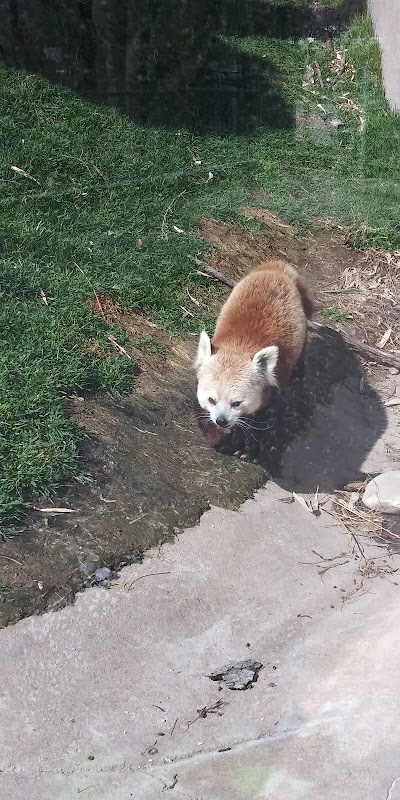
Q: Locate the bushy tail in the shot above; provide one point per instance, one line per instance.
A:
(306, 301)
(301, 286)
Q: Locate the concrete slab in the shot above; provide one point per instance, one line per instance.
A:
(105, 697)
(386, 19)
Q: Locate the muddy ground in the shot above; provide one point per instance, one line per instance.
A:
(153, 472)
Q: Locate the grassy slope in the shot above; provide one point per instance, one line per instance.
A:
(103, 183)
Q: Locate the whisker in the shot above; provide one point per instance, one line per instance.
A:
(258, 425)
(246, 430)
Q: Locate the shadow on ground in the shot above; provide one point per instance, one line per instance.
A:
(329, 395)
(167, 64)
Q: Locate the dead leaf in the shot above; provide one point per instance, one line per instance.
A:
(385, 338)
(355, 486)
(299, 499)
(375, 284)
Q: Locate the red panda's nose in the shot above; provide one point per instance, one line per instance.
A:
(222, 421)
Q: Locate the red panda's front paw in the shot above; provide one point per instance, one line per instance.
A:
(243, 455)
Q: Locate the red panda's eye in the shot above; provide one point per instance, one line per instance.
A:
(212, 401)
(236, 404)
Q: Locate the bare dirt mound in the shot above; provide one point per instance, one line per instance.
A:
(153, 473)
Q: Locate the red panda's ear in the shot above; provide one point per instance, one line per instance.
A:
(265, 361)
(203, 350)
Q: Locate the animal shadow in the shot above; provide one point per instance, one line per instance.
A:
(319, 430)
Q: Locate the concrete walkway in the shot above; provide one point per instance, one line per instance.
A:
(103, 699)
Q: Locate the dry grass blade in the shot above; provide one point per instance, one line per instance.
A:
(348, 511)
(186, 312)
(43, 296)
(150, 433)
(315, 508)
(168, 210)
(385, 338)
(395, 401)
(25, 174)
(118, 346)
(56, 510)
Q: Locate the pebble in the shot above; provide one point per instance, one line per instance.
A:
(393, 371)
(383, 493)
(102, 574)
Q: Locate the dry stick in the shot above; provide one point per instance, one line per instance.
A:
(373, 353)
(214, 272)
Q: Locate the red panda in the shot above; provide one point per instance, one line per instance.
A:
(259, 337)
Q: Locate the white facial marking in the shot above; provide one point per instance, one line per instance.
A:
(228, 397)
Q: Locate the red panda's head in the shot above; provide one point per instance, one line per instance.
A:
(233, 383)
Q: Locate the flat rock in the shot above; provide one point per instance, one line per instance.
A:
(238, 674)
(383, 493)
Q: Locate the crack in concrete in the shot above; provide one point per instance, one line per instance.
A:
(174, 760)
(391, 787)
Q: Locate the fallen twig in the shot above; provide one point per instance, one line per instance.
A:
(147, 576)
(373, 353)
(202, 712)
(214, 272)
(342, 291)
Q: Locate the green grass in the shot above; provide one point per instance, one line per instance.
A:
(101, 183)
(335, 314)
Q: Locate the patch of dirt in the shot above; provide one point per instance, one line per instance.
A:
(237, 250)
(153, 472)
(139, 327)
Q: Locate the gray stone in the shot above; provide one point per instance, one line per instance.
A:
(238, 674)
(102, 574)
(383, 493)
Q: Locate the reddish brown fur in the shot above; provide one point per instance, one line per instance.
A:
(268, 307)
